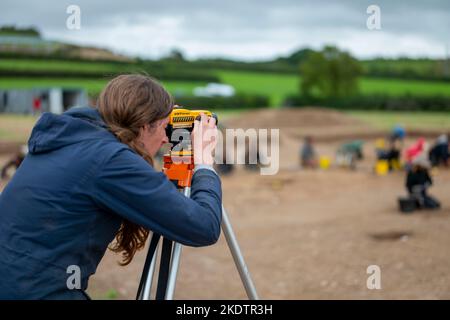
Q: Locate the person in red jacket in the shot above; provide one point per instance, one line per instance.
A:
(37, 105)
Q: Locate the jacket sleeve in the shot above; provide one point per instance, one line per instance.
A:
(128, 186)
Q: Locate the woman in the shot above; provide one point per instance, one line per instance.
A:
(88, 179)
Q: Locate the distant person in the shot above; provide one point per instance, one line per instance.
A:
(380, 148)
(349, 153)
(416, 150)
(224, 168)
(398, 134)
(252, 160)
(418, 181)
(15, 161)
(439, 153)
(308, 156)
(396, 144)
(391, 153)
(37, 105)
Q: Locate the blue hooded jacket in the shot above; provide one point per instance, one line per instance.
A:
(69, 196)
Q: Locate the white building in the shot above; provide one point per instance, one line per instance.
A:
(215, 90)
(55, 100)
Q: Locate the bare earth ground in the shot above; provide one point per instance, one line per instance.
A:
(311, 234)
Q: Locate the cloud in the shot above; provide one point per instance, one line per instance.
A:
(242, 29)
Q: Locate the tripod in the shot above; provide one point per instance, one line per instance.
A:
(181, 173)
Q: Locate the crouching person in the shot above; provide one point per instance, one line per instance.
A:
(418, 181)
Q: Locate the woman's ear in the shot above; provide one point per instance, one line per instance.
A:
(144, 130)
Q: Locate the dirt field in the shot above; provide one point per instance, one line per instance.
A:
(311, 234)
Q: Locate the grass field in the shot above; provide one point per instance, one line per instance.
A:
(17, 128)
(417, 66)
(277, 86)
(93, 87)
(400, 87)
(59, 65)
(412, 120)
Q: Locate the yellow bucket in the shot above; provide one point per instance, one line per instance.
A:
(381, 167)
(324, 163)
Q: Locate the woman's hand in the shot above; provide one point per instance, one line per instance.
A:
(204, 140)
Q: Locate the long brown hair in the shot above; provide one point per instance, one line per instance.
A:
(126, 104)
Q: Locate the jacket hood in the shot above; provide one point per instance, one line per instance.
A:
(75, 125)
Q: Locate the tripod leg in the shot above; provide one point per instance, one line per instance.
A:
(175, 260)
(167, 278)
(149, 268)
(164, 267)
(151, 272)
(173, 271)
(237, 257)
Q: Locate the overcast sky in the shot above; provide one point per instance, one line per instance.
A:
(248, 30)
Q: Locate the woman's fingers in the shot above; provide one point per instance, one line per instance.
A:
(212, 122)
(204, 118)
(196, 124)
(204, 136)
